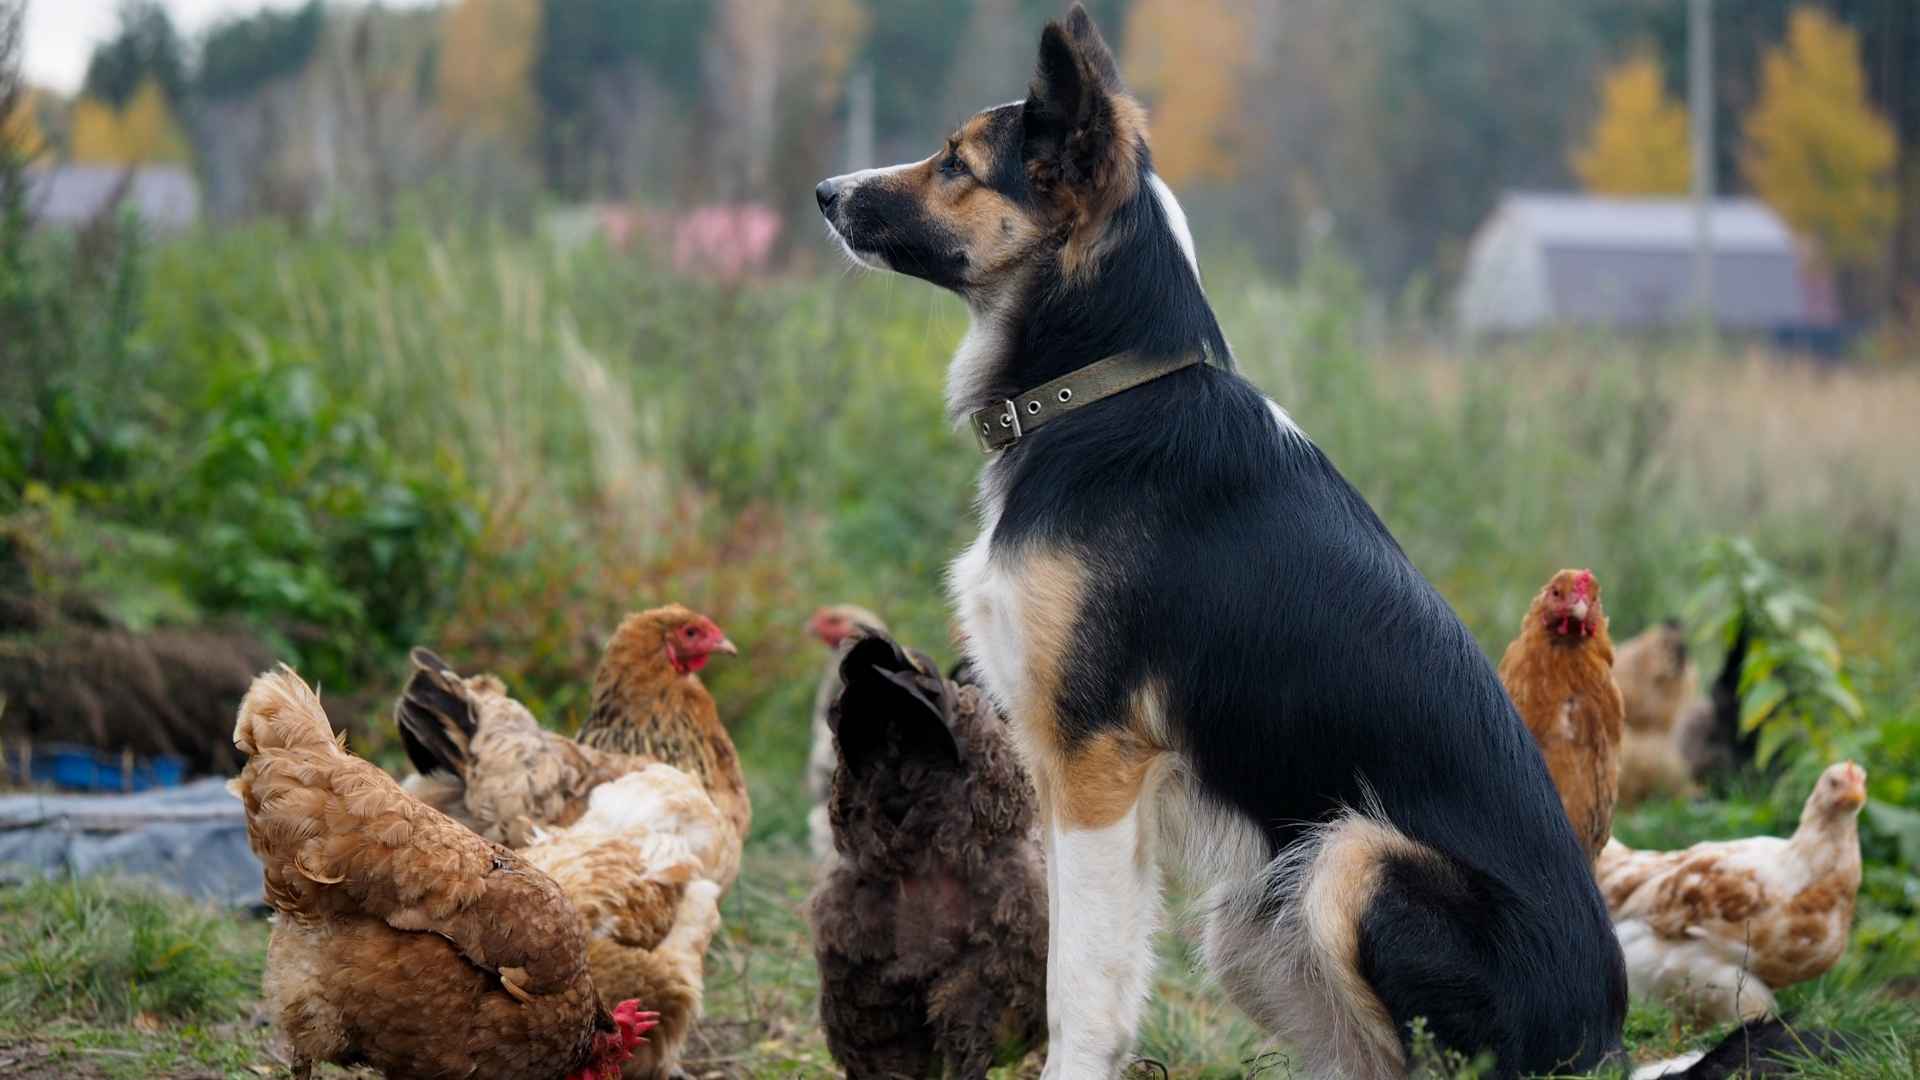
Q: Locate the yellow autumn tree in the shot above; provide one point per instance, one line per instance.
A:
(143, 132)
(1816, 150)
(93, 136)
(148, 128)
(21, 131)
(486, 67)
(1188, 59)
(1638, 144)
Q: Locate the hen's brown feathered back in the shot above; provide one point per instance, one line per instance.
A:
(405, 940)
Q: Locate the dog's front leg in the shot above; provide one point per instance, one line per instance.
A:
(1103, 896)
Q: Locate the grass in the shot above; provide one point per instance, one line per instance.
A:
(107, 980)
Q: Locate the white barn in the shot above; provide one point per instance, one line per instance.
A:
(1555, 260)
(164, 196)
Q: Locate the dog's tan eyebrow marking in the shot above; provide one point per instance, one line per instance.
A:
(965, 145)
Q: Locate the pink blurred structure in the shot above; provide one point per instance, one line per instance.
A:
(725, 242)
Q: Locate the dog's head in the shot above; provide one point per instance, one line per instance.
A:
(1016, 185)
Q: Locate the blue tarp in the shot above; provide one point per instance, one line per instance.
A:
(191, 840)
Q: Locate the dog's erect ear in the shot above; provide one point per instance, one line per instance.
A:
(1086, 38)
(1072, 89)
(1084, 133)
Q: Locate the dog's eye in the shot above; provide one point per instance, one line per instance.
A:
(953, 166)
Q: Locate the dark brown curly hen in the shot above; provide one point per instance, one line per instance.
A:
(931, 927)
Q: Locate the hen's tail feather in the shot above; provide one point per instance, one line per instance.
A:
(281, 712)
(1757, 1048)
(435, 716)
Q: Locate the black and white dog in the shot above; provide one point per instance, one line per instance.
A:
(1210, 647)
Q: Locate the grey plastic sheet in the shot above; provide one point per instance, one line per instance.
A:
(191, 840)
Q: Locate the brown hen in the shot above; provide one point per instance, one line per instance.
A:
(1559, 672)
(405, 941)
(648, 700)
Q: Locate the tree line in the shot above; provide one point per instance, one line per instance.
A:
(1390, 129)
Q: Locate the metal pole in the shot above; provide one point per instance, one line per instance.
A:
(860, 152)
(1700, 102)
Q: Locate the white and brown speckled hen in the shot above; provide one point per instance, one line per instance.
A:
(1717, 928)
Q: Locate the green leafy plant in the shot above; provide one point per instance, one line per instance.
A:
(302, 516)
(1795, 693)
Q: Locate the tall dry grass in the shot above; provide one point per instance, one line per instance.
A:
(629, 437)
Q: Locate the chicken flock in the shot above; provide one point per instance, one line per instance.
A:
(1715, 929)
(530, 906)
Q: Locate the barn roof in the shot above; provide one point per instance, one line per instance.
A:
(1739, 225)
(1541, 259)
(165, 196)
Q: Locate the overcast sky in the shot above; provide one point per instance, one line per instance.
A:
(61, 34)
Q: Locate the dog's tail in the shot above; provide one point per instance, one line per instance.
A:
(1359, 931)
(1287, 947)
(1765, 1047)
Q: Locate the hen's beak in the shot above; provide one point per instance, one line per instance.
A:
(725, 645)
(1579, 610)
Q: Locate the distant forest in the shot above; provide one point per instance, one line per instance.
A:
(1389, 128)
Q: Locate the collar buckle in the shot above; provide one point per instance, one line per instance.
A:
(997, 427)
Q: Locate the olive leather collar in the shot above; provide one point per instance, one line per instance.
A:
(997, 427)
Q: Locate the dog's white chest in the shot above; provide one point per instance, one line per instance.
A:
(988, 601)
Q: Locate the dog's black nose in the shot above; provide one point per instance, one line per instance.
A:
(826, 194)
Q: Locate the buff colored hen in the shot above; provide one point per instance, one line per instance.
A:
(638, 866)
(838, 627)
(637, 845)
(1657, 680)
(1717, 928)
